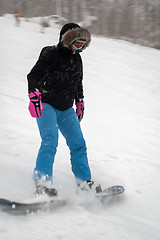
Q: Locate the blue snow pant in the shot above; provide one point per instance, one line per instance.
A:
(68, 123)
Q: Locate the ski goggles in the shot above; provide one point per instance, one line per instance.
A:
(79, 44)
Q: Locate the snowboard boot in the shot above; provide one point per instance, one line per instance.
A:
(51, 192)
(89, 186)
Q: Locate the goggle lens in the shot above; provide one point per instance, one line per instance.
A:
(79, 44)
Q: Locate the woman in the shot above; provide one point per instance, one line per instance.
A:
(55, 82)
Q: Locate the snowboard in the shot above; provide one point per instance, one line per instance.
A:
(29, 207)
(52, 202)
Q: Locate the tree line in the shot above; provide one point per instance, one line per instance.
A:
(137, 21)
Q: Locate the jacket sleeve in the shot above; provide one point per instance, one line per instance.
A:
(79, 93)
(39, 70)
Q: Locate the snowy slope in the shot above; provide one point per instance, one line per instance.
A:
(121, 128)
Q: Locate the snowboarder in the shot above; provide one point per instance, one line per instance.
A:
(54, 83)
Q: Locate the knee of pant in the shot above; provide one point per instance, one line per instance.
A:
(50, 142)
(78, 144)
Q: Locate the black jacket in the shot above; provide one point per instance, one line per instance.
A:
(58, 75)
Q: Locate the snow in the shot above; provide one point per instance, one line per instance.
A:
(121, 128)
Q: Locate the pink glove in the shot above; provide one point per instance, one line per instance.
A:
(35, 105)
(80, 110)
